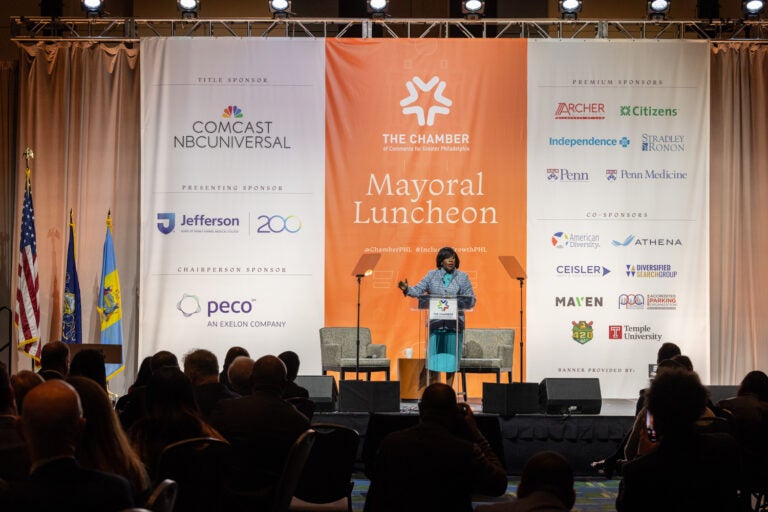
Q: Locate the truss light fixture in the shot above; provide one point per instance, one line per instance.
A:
(280, 8)
(752, 9)
(569, 9)
(658, 9)
(473, 9)
(188, 8)
(377, 8)
(92, 8)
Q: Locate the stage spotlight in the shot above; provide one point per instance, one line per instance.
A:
(752, 9)
(569, 9)
(280, 8)
(473, 9)
(188, 8)
(658, 9)
(377, 8)
(92, 7)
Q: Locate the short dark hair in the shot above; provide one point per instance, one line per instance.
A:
(89, 363)
(232, 353)
(202, 362)
(676, 399)
(445, 253)
(291, 361)
(548, 472)
(161, 359)
(54, 356)
(667, 350)
(755, 383)
(438, 399)
(268, 373)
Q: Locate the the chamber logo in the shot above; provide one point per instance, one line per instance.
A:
(416, 86)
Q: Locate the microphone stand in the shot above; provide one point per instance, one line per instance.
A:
(357, 356)
(522, 280)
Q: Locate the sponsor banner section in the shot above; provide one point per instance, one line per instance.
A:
(617, 215)
(232, 199)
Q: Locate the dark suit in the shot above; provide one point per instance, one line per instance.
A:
(63, 484)
(538, 501)
(427, 467)
(698, 472)
(14, 459)
(208, 395)
(261, 428)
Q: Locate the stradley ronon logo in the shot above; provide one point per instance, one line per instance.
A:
(440, 102)
(580, 111)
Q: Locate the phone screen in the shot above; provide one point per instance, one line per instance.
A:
(649, 426)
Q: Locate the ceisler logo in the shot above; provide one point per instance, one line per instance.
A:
(646, 111)
(580, 111)
(440, 102)
(582, 331)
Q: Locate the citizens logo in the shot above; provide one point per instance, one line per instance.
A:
(578, 302)
(589, 142)
(580, 111)
(582, 331)
(232, 111)
(440, 104)
(651, 271)
(667, 301)
(189, 305)
(197, 223)
(562, 240)
(633, 332)
(581, 270)
(631, 301)
(567, 175)
(645, 175)
(647, 111)
(663, 143)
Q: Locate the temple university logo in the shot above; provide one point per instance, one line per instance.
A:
(437, 105)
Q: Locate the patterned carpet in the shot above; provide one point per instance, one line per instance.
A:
(591, 495)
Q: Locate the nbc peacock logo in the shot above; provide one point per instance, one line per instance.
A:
(232, 111)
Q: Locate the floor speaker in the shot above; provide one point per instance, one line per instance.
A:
(509, 399)
(322, 390)
(369, 396)
(570, 396)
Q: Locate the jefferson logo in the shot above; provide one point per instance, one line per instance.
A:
(438, 97)
(188, 305)
(580, 111)
(582, 331)
(631, 301)
(642, 111)
(167, 222)
(232, 111)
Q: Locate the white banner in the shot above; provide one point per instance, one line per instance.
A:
(232, 196)
(618, 246)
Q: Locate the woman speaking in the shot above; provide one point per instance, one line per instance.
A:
(445, 281)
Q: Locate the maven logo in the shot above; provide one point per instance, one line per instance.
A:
(413, 95)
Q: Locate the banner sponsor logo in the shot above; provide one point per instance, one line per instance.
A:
(589, 142)
(582, 270)
(197, 223)
(582, 331)
(647, 111)
(651, 271)
(274, 224)
(567, 175)
(440, 104)
(645, 175)
(631, 301)
(633, 332)
(647, 242)
(562, 240)
(578, 302)
(580, 111)
(623, 243)
(663, 143)
(232, 132)
(225, 313)
(666, 301)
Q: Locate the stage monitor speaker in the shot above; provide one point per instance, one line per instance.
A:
(369, 396)
(570, 396)
(509, 399)
(717, 393)
(322, 390)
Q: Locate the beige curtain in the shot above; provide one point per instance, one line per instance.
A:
(79, 112)
(739, 210)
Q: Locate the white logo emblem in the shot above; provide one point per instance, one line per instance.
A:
(413, 95)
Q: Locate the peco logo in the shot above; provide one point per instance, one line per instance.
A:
(440, 104)
(189, 305)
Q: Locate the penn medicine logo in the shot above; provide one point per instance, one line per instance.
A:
(440, 104)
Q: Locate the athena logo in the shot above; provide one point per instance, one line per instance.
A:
(188, 305)
(413, 95)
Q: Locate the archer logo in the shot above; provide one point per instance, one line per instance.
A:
(439, 105)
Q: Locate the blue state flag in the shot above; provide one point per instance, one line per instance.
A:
(71, 324)
(110, 306)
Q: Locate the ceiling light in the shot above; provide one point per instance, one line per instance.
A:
(377, 8)
(92, 7)
(473, 9)
(188, 8)
(280, 8)
(752, 9)
(569, 9)
(658, 9)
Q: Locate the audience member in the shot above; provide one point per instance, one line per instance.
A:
(172, 415)
(54, 360)
(52, 424)
(142, 379)
(436, 465)
(292, 390)
(89, 363)
(232, 353)
(240, 375)
(202, 368)
(14, 460)
(689, 470)
(546, 485)
(22, 382)
(104, 445)
(135, 407)
(261, 426)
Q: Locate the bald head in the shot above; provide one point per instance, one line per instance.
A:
(268, 373)
(239, 375)
(52, 420)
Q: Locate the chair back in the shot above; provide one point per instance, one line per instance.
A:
(294, 465)
(163, 498)
(327, 475)
(346, 338)
(304, 405)
(201, 467)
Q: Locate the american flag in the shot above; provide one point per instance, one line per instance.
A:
(27, 318)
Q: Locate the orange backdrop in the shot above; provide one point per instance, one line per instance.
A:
(425, 147)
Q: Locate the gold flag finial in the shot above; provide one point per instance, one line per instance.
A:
(28, 153)
(109, 219)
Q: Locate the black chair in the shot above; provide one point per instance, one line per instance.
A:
(201, 467)
(163, 498)
(294, 466)
(304, 405)
(326, 482)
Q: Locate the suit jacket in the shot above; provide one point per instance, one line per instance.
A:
(698, 472)
(428, 467)
(261, 427)
(208, 395)
(62, 484)
(14, 459)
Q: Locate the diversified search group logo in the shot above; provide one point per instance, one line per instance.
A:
(440, 102)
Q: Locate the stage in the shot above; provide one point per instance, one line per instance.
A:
(581, 438)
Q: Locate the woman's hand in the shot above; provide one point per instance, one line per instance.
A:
(403, 285)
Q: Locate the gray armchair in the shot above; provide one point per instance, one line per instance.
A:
(338, 347)
(487, 351)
